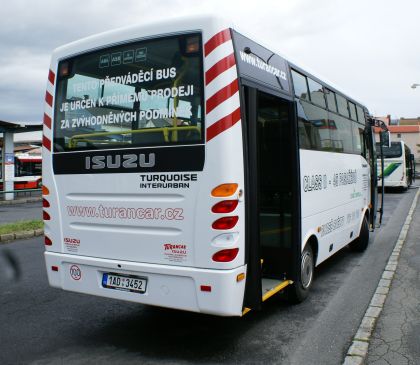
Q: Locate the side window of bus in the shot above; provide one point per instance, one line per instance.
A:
(304, 128)
(332, 105)
(352, 109)
(300, 85)
(360, 115)
(317, 93)
(18, 168)
(358, 139)
(341, 133)
(342, 105)
(314, 127)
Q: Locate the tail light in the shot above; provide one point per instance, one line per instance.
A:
(45, 216)
(225, 222)
(47, 241)
(45, 190)
(226, 255)
(224, 190)
(54, 268)
(225, 206)
(206, 288)
(45, 203)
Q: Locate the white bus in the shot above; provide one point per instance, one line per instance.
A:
(186, 166)
(399, 170)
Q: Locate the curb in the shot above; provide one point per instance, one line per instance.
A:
(357, 353)
(21, 201)
(9, 237)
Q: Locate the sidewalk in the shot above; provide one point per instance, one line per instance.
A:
(396, 339)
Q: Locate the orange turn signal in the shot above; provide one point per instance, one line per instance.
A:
(224, 190)
(240, 277)
(45, 190)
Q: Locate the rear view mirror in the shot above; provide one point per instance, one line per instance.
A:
(385, 138)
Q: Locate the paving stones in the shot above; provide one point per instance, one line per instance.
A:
(358, 351)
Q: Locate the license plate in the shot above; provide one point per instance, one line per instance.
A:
(124, 282)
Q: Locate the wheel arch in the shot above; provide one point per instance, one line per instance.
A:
(366, 213)
(313, 242)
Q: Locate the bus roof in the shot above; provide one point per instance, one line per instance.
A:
(173, 26)
(145, 30)
(296, 65)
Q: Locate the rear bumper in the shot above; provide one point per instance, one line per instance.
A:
(393, 184)
(167, 286)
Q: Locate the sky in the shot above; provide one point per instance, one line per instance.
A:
(369, 49)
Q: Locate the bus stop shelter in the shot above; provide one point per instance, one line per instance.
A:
(8, 129)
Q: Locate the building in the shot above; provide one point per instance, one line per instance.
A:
(410, 121)
(408, 131)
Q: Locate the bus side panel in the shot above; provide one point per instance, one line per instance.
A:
(335, 193)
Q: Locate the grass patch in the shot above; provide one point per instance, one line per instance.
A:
(21, 226)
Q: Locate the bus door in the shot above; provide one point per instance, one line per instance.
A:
(372, 160)
(412, 169)
(272, 175)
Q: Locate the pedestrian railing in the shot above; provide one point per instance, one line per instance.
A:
(21, 192)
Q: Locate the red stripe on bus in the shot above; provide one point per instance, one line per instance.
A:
(219, 67)
(48, 98)
(51, 77)
(223, 124)
(46, 143)
(216, 41)
(222, 95)
(47, 121)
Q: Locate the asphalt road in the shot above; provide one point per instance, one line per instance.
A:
(42, 325)
(20, 212)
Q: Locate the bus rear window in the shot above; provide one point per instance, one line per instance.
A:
(147, 93)
(390, 152)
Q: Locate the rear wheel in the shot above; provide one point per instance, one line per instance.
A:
(299, 290)
(360, 243)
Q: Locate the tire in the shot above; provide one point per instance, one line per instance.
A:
(299, 290)
(361, 243)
